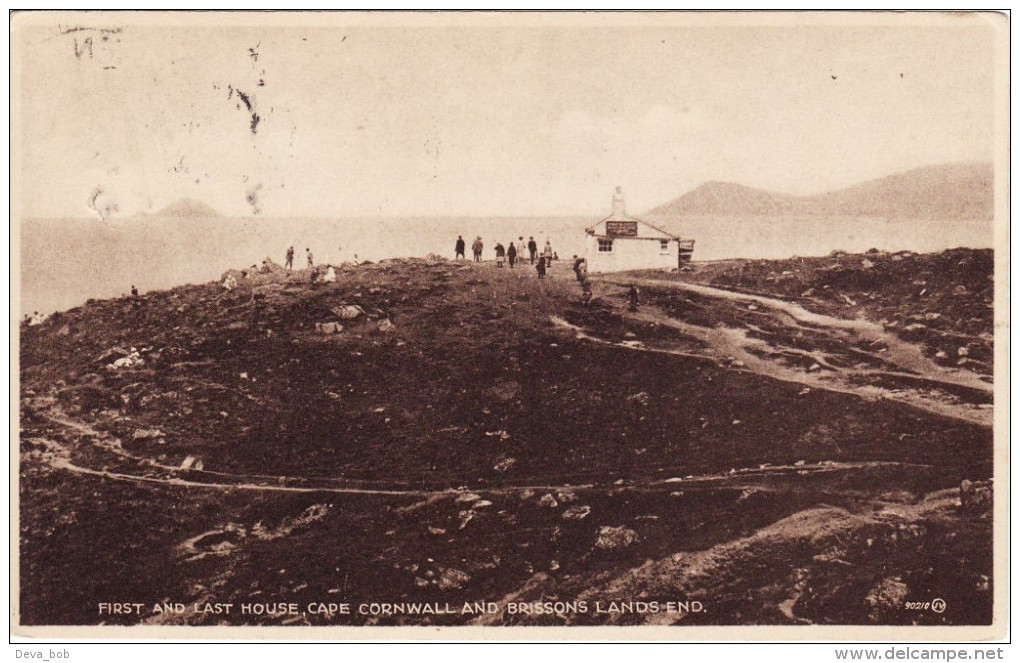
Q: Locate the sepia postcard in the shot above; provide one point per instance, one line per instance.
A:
(484, 325)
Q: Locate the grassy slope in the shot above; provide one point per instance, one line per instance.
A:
(473, 353)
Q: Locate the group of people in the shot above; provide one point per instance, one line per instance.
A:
(510, 254)
(319, 274)
(289, 263)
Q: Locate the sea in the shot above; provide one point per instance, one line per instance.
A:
(65, 262)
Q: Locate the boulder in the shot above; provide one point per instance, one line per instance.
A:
(566, 496)
(578, 512)
(348, 312)
(130, 361)
(505, 464)
(451, 578)
(329, 328)
(640, 398)
(548, 500)
(614, 538)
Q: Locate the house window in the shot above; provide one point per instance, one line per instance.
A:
(664, 245)
(605, 246)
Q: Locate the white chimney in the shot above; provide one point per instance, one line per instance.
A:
(618, 206)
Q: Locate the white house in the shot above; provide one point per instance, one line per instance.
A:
(621, 242)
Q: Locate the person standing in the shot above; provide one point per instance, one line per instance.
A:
(541, 269)
(578, 264)
(511, 255)
(547, 254)
(632, 298)
(459, 248)
(311, 261)
(290, 258)
(476, 248)
(532, 249)
(500, 252)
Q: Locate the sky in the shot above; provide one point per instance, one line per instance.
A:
(427, 115)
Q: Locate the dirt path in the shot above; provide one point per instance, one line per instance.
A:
(899, 352)
(58, 456)
(910, 378)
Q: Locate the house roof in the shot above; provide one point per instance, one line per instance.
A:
(620, 214)
(627, 217)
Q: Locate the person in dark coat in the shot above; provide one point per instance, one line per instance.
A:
(578, 268)
(290, 258)
(541, 269)
(632, 298)
(476, 249)
(459, 247)
(532, 249)
(511, 255)
(500, 252)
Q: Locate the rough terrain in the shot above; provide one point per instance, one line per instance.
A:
(431, 433)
